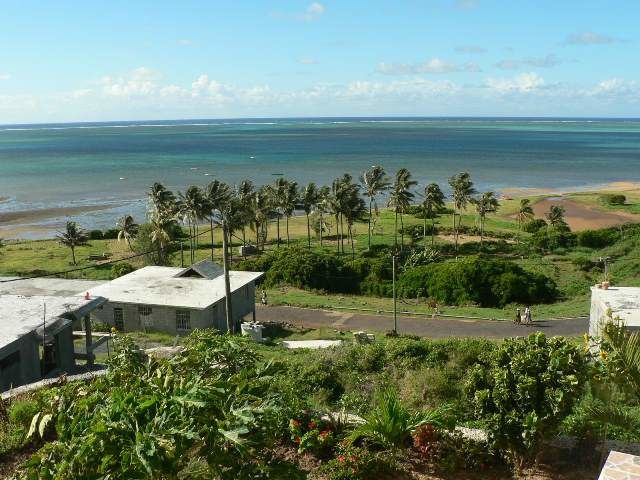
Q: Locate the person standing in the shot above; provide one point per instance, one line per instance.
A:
(527, 315)
(518, 318)
(263, 297)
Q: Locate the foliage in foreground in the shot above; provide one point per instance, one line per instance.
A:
(525, 389)
(209, 409)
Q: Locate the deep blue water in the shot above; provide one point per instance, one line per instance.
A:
(90, 163)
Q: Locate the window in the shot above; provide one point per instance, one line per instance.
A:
(144, 313)
(183, 320)
(118, 318)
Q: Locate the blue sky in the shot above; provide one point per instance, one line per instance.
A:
(120, 60)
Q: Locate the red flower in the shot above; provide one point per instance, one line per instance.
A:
(341, 459)
(295, 423)
(324, 433)
(312, 424)
(297, 440)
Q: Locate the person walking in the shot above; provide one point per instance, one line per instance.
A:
(263, 297)
(527, 315)
(518, 319)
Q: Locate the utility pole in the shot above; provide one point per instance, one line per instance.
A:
(227, 286)
(395, 310)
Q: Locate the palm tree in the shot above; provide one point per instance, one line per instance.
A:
(277, 192)
(524, 213)
(374, 182)
(218, 195)
(161, 226)
(72, 237)
(555, 216)
(161, 200)
(354, 210)
(433, 202)
(309, 199)
(289, 200)
(127, 229)
(400, 199)
(262, 212)
(487, 203)
(462, 191)
(323, 206)
(245, 193)
(192, 208)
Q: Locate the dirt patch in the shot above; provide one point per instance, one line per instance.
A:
(583, 217)
(471, 238)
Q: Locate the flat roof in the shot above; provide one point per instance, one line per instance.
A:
(20, 315)
(159, 286)
(624, 302)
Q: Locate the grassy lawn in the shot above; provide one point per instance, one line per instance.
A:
(594, 199)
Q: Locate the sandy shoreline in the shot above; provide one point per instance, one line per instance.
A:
(621, 186)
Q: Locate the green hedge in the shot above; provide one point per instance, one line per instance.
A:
(598, 238)
(613, 199)
(479, 280)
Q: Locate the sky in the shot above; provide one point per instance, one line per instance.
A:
(68, 61)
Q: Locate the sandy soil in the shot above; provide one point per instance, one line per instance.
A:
(470, 238)
(608, 187)
(580, 216)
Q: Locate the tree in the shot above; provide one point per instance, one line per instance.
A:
(127, 229)
(487, 203)
(462, 191)
(433, 202)
(245, 192)
(400, 199)
(277, 194)
(354, 210)
(218, 195)
(555, 216)
(289, 201)
(374, 182)
(323, 206)
(524, 213)
(261, 212)
(161, 200)
(192, 207)
(524, 389)
(72, 237)
(309, 199)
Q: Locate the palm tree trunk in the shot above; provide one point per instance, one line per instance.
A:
(424, 232)
(308, 232)
(73, 254)
(369, 240)
(433, 230)
(353, 250)
(338, 232)
(455, 229)
(481, 232)
(395, 233)
(341, 233)
(244, 235)
(211, 232)
(287, 220)
(401, 232)
(278, 230)
(321, 227)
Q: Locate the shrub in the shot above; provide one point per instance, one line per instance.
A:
(552, 238)
(96, 235)
(320, 378)
(534, 225)
(584, 263)
(353, 463)
(485, 281)
(120, 269)
(524, 389)
(110, 234)
(613, 199)
(597, 238)
(311, 434)
(22, 412)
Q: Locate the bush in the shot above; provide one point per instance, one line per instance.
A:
(613, 199)
(303, 268)
(534, 225)
(95, 235)
(120, 269)
(22, 412)
(551, 238)
(110, 234)
(354, 463)
(484, 281)
(598, 238)
(524, 389)
(585, 264)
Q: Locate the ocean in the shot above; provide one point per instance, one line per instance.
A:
(113, 164)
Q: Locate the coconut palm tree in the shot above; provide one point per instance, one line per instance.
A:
(555, 216)
(309, 198)
(485, 204)
(261, 211)
(277, 192)
(245, 192)
(462, 191)
(524, 213)
(218, 195)
(161, 200)
(192, 207)
(72, 237)
(354, 211)
(160, 235)
(374, 182)
(127, 229)
(400, 198)
(432, 203)
(323, 206)
(289, 201)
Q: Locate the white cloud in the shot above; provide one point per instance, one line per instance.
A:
(140, 82)
(523, 83)
(470, 49)
(617, 87)
(308, 61)
(4, 76)
(508, 65)
(589, 38)
(466, 4)
(548, 61)
(314, 11)
(185, 42)
(435, 65)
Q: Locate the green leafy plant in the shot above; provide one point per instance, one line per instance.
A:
(524, 389)
(311, 434)
(353, 463)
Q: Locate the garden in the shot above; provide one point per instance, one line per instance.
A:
(400, 408)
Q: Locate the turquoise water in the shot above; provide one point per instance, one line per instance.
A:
(77, 164)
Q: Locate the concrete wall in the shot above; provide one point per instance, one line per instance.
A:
(26, 368)
(163, 319)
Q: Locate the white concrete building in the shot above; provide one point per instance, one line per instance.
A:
(621, 302)
(24, 321)
(175, 300)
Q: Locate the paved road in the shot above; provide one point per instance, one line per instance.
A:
(421, 326)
